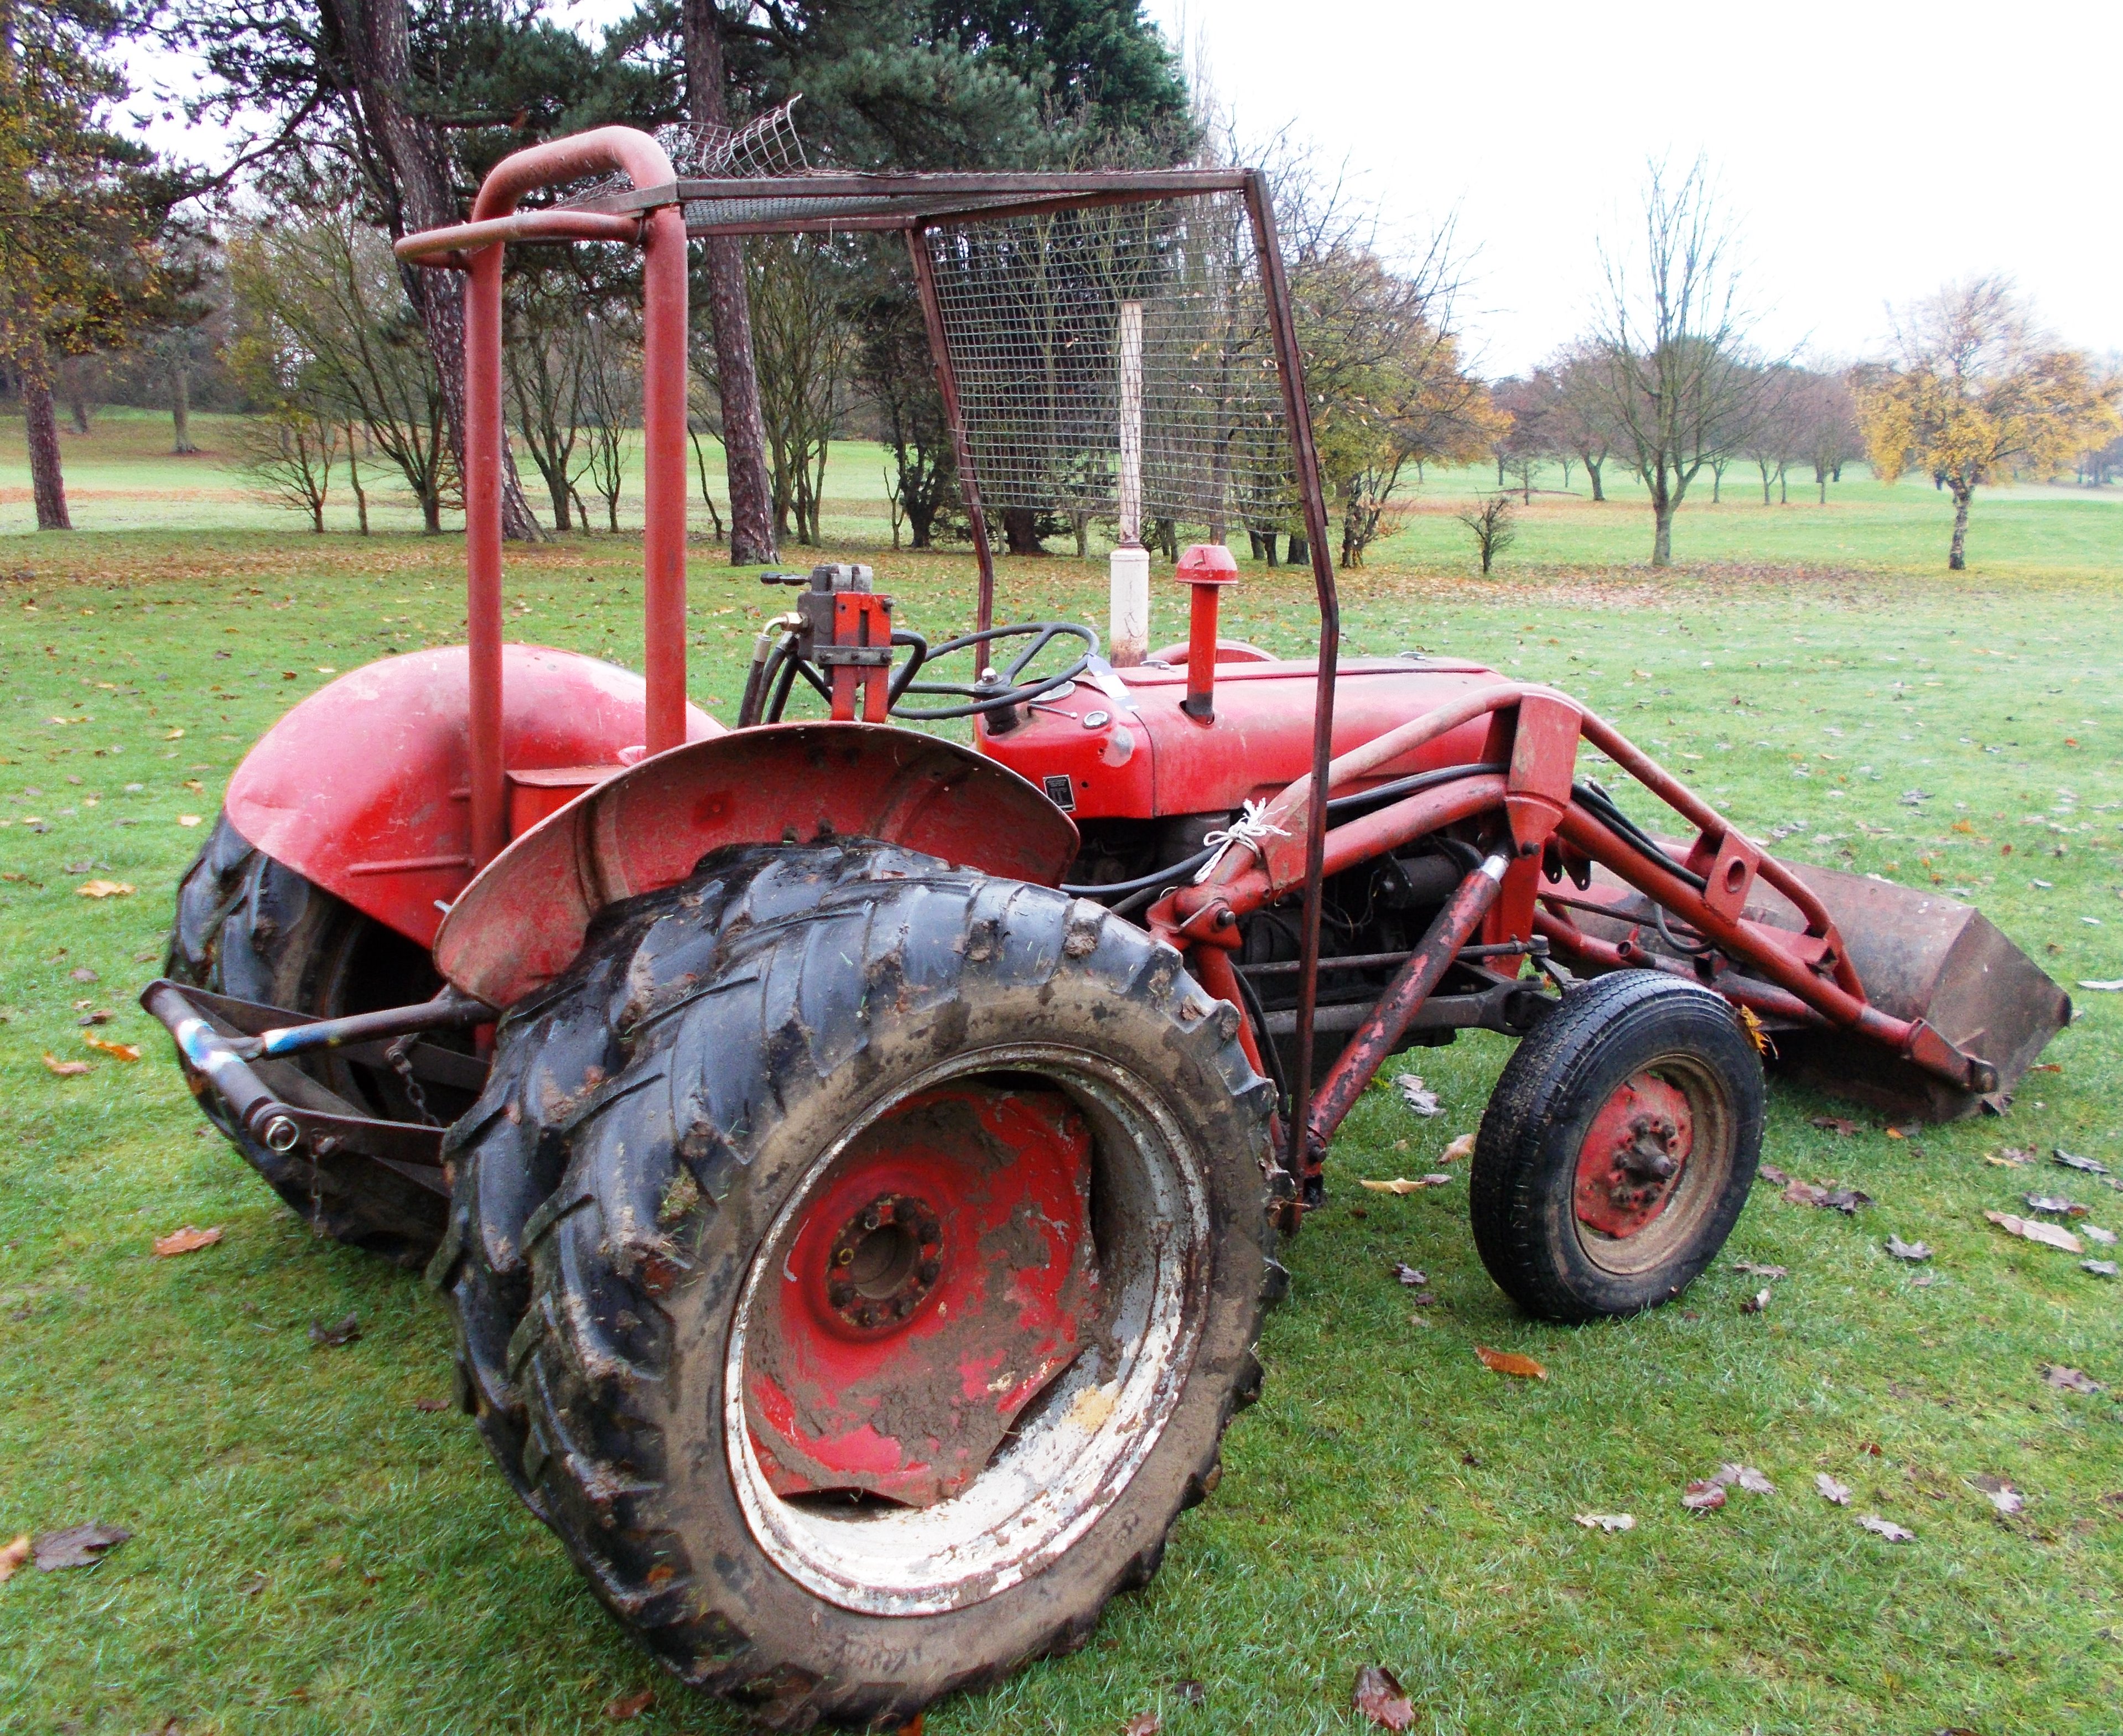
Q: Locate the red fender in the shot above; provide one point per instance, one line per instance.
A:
(364, 787)
(522, 922)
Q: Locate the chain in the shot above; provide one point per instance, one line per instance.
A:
(399, 1055)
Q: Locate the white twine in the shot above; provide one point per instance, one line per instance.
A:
(1248, 828)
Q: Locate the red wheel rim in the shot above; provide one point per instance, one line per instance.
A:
(940, 1276)
(1635, 1155)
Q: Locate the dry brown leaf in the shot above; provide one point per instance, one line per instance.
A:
(1143, 1723)
(1762, 1271)
(1402, 1185)
(338, 1335)
(1703, 1495)
(2070, 1380)
(1462, 1147)
(116, 1051)
(1606, 1521)
(621, 1707)
(13, 1556)
(1510, 1361)
(1841, 1125)
(1378, 1696)
(2072, 1160)
(1744, 1476)
(1886, 1528)
(186, 1240)
(1757, 1302)
(104, 889)
(1913, 1250)
(1831, 1489)
(78, 1546)
(1417, 1096)
(64, 1070)
(1408, 1275)
(2050, 1235)
(82, 974)
(1770, 1173)
(2055, 1205)
(2001, 1494)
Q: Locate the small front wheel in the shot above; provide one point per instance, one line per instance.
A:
(1617, 1148)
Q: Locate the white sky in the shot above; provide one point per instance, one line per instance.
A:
(1872, 150)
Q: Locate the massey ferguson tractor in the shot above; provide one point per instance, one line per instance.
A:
(855, 1145)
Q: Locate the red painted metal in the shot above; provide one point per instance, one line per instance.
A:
(522, 920)
(1634, 1154)
(362, 788)
(940, 1275)
(1206, 568)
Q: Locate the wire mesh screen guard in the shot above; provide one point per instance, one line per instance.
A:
(766, 145)
(1032, 317)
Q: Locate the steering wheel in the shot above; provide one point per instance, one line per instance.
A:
(991, 690)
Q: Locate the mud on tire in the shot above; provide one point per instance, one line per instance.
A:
(253, 928)
(684, 1087)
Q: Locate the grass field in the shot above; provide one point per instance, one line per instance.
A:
(313, 1552)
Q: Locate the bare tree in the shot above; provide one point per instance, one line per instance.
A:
(1671, 334)
(610, 392)
(1828, 434)
(1491, 523)
(1579, 420)
(545, 360)
(1773, 434)
(801, 342)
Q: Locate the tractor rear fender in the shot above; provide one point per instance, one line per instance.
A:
(362, 789)
(524, 919)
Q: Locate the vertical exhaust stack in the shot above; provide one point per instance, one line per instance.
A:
(1205, 568)
(1128, 567)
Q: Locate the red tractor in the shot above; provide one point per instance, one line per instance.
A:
(856, 1158)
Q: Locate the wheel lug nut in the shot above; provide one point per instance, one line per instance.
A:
(930, 1271)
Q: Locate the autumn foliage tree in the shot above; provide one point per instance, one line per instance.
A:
(1975, 392)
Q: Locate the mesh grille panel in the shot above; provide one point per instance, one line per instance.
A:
(1033, 316)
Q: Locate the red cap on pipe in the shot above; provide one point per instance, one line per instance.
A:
(1208, 564)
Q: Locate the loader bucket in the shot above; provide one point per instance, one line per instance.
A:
(1921, 956)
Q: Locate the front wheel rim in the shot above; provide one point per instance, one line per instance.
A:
(1071, 1447)
(1629, 1219)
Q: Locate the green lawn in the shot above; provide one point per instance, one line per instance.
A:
(312, 1552)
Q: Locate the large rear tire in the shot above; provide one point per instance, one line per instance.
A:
(1618, 1149)
(253, 928)
(903, 1265)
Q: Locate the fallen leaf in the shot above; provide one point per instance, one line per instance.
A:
(1606, 1521)
(1192, 1692)
(2070, 1380)
(1143, 1723)
(431, 1406)
(1402, 1185)
(621, 1707)
(1805, 1193)
(173, 735)
(1762, 1271)
(1846, 1200)
(1840, 1125)
(186, 1240)
(2002, 1495)
(1462, 1147)
(1770, 1173)
(1831, 1491)
(1757, 1302)
(188, 819)
(2095, 1233)
(2050, 1235)
(1409, 1276)
(100, 1015)
(2072, 1160)
(2108, 985)
(104, 889)
(13, 1557)
(1744, 1476)
(116, 1051)
(1416, 1095)
(82, 974)
(78, 1546)
(64, 1070)
(338, 1335)
(252, 1586)
(1378, 1695)
(2055, 1204)
(1887, 1529)
(2100, 1268)
(1704, 1496)
(1510, 1361)
(1902, 1250)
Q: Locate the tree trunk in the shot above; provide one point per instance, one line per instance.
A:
(1957, 560)
(353, 482)
(41, 429)
(1020, 530)
(1592, 470)
(78, 408)
(180, 411)
(1300, 550)
(411, 157)
(752, 522)
(1662, 509)
(1783, 487)
(919, 520)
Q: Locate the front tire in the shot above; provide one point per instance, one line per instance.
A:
(1617, 1150)
(904, 1266)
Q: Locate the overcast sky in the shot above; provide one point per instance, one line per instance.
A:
(1871, 149)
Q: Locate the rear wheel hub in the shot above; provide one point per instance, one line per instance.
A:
(936, 1278)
